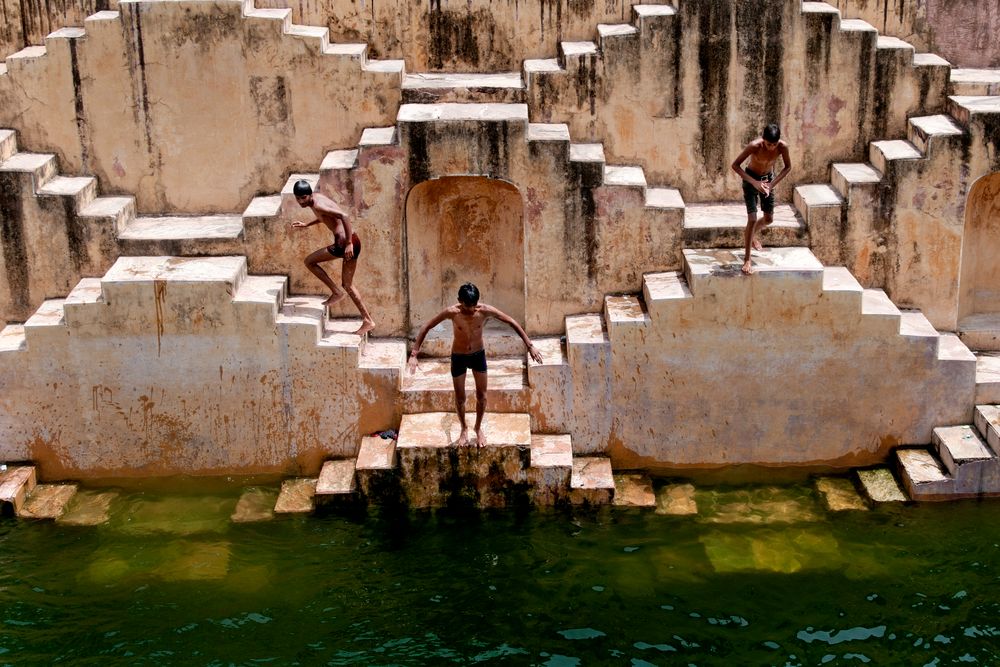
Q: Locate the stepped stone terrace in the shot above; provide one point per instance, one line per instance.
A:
(575, 165)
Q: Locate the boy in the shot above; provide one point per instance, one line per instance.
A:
(336, 220)
(468, 317)
(759, 182)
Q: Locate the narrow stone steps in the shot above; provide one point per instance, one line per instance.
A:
(967, 459)
(988, 377)
(435, 87)
(980, 331)
(182, 235)
(975, 82)
(430, 387)
(722, 225)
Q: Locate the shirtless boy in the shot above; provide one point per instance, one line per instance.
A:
(337, 221)
(759, 182)
(468, 317)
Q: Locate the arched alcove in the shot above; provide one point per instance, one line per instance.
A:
(464, 229)
(979, 296)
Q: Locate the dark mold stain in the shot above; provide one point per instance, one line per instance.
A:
(866, 62)
(15, 250)
(819, 30)
(270, 98)
(82, 128)
(714, 48)
(760, 49)
(417, 157)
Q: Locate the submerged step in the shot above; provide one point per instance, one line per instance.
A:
(47, 501)
(880, 485)
(297, 496)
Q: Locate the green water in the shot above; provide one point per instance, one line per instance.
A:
(759, 577)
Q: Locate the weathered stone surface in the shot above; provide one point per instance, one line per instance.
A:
(722, 225)
(839, 494)
(591, 482)
(297, 496)
(88, 508)
(336, 478)
(634, 490)
(676, 499)
(760, 505)
(430, 387)
(551, 465)
(15, 484)
(923, 476)
(988, 378)
(969, 461)
(255, 504)
(987, 421)
(179, 515)
(880, 485)
(47, 501)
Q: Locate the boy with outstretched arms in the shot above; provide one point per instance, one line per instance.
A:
(468, 317)
(346, 246)
(759, 182)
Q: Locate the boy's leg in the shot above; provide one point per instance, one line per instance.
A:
(347, 280)
(481, 381)
(459, 381)
(312, 262)
(748, 239)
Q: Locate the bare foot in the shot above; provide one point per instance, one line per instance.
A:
(463, 438)
(334, 298)
(747, 268)
(480, 438)
(365, 327)
(756, 244)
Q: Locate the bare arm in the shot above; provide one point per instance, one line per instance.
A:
(433, 322)
(510, 321)
(787, 161)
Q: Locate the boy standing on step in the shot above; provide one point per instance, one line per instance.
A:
(346, 246)
(468, 317)
(759, 182)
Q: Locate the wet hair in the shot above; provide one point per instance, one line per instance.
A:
(772, 133)
(468, 294)
(302, 188)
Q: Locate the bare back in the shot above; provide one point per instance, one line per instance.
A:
(331, 215)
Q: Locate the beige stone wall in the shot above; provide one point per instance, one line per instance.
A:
(772, 370)
(191, 107)
(473, 36)
(980, 279)
(962, 31)
(684, 94)
(164, 375)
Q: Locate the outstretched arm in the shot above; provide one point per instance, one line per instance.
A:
(507, 319)
(787, 161)
(411, 365)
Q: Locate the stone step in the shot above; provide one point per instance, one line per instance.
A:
(570, 53)
(375, 469)
(117, 211)
(183, 235)
(917, 329)
(848, 175)
(723, 225)
(450, 112)
(880, 485)
(969, 461)
(431, 87)
(395, 69)
(316, 37)
(336, 480)
(551, 464)
(88, 508)
(987, 422)
(905, 49)
(856, 26)
(923, 129)
(86, 292)
(551, 383)
(81, 189)
(841, 287)
(881, 153)
(435, 472)
(430, 387)
(953, 351)
(297, 496)
(12, 339)
(626, 319)
(264, 294)
(8, 144)
(712, 271)
(588, 162)
(39, 167)
(963, 107)
(592, 481)
(665, 198)
(665, 293)
(881, 316)
(281, 16)
(254, 505)
(498, 338)
(988, 377)
(16, 483)
(923, 476)
(969, 82)
(357, 52)
(47, 326)
(47, 501)
(981, 331)
(634, 490)
(551, 133)
(646, 16)
(203, 280)
(839, 494)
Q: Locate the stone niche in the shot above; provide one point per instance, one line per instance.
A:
(464, 229)
(979, 295)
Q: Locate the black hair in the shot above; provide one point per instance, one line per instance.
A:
(302, 188)
(772, 133)
(468, 294)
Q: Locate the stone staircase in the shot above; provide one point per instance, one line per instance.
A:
(22, 495)
(424, 468)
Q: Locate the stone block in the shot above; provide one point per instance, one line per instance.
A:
(880, 485)
(375, 470)
(591, 482)
(551, 465)
(336, 478)
(795, 273)
(254, 505)
(839, 494)
(587, 163)
(380, 368)
(677, 500)
(923, 476)
(968, 460)
(430, 388)
(981, 332)
(633, 490)
(89, 508)
(551, 385)
(47, 501)
(712, 226)
(297, 496)
(988, 378)
(987, 421)
(589, 353)
(15, 485)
